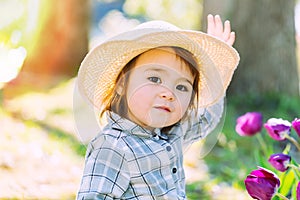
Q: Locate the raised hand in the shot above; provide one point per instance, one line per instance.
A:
(215, 28)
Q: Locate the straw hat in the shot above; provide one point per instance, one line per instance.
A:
(100, 68)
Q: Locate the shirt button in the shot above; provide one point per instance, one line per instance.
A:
(169, 148)
(156, 137)
(174, 170)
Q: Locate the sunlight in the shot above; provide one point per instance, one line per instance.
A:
(32, 20)
(11, 61)
(10, 11)
(18, 25)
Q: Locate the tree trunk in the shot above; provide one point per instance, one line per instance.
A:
(215, 7)
(266, 42)
(60, 45)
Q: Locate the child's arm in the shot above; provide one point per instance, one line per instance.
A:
(202, 124)
(206, 121)
(215, 28)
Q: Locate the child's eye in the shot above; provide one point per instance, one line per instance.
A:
(182, 88)
(154, 79)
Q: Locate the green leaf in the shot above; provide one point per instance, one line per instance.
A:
(296, 172)
(261, 159)
(294, 192)
(287, 180)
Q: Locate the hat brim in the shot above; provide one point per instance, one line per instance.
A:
(100, 68)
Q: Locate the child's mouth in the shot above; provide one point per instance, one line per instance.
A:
(164, 108)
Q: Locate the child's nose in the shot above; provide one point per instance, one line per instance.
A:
(167, 95)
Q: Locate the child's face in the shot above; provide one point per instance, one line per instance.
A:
(159, 89)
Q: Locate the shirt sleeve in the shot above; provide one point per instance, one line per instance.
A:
(206, 121)
(106, 174)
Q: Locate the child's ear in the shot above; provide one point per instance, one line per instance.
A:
(120, 87)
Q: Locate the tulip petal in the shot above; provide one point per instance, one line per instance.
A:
(280, 161)
(249, 124)
(278, 128)
(296, 126)
(298, 191)
(262, 184)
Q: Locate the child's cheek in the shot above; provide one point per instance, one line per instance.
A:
(183, 100)
(141, 97)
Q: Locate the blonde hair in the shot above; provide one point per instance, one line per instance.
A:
(116, 102)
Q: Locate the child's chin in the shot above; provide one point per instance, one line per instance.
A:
(159, 120)
(160, 124)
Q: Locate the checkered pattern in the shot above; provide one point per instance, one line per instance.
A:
(126, 161)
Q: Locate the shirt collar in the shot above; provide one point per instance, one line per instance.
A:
(123, 124)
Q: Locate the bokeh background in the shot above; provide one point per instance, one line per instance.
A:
(42, 43)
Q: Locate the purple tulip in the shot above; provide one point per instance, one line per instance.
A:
(249, 124)
(298, 191)
(296, 126)
(278, 128)
(262, 184)
(280, 161)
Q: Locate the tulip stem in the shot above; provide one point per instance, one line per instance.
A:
(296, 173)
(290, 138)
(287, 148)
(295, 169)
(293, 166)
(281, 196)
(262, 144)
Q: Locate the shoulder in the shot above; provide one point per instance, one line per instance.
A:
(115, 141)
(109, 137)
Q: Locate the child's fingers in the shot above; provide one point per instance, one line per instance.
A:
(215, 28)
(210, 24)
(219, 26)
(231, 39)
(227, 30)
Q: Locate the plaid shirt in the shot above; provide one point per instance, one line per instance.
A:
(126, 161)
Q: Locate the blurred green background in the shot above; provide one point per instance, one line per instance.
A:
(42, 43)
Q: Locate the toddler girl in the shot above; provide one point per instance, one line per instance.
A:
(160, 88)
